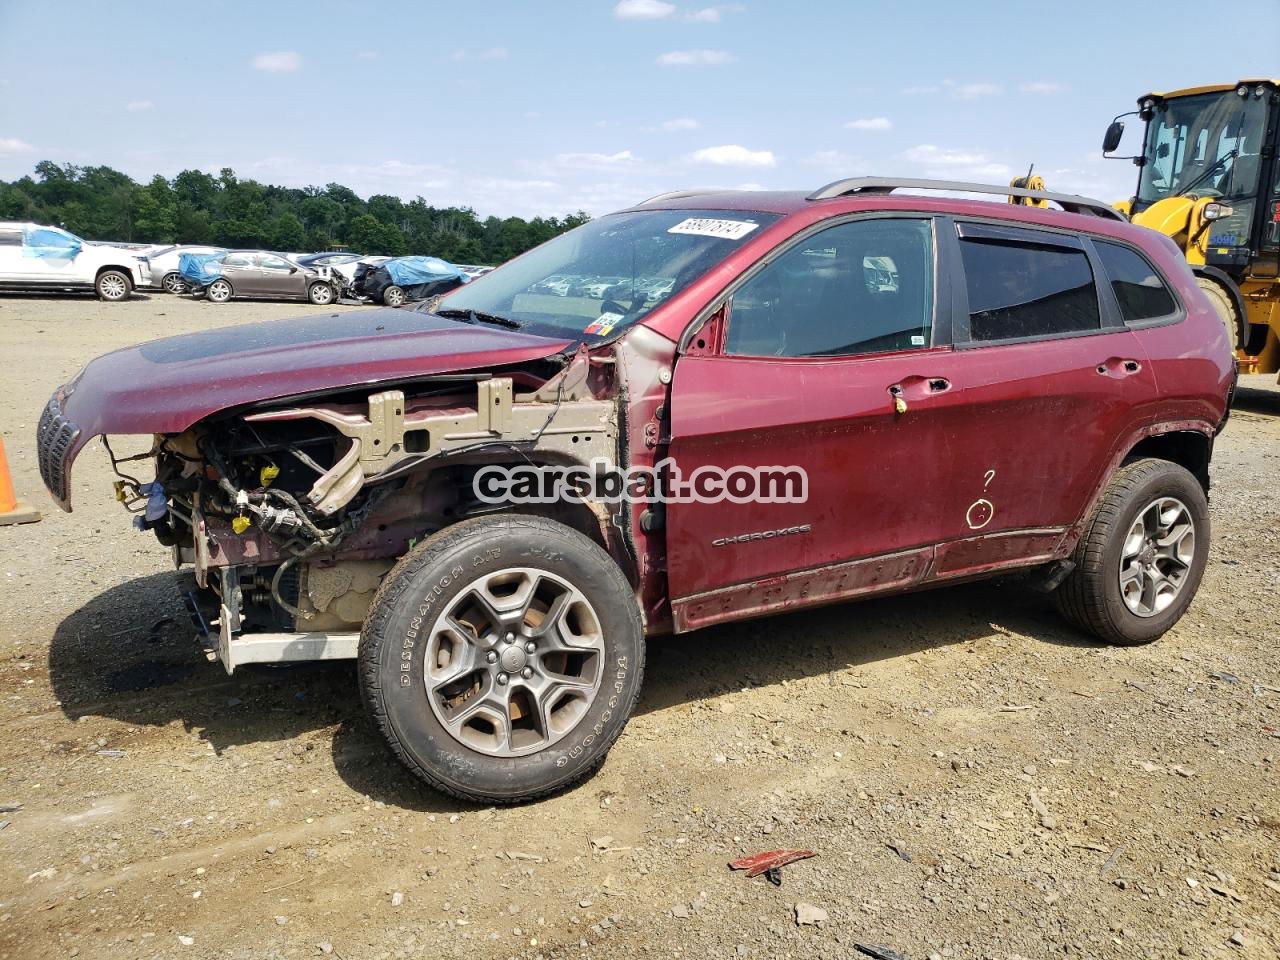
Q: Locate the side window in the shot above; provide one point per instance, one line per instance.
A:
(1138, 288)
(274, 263)
(237, 260)
(1019, 289)
(861, 287)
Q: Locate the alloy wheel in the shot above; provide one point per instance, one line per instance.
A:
(514, 662)
(1155, 560)
(113, 287)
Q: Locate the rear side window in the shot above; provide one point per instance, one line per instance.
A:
(1021, 290)
(1138, 288)
(237, 260)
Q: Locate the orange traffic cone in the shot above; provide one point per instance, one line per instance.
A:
(12, 510)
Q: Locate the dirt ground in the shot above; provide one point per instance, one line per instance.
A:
(977, 779)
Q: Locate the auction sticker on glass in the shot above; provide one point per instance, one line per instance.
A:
(707, 227)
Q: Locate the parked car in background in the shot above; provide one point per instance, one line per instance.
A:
(36, 257)
(401, 279)
(257, 273)
(344, 266)
(164, 264)
(472, 270)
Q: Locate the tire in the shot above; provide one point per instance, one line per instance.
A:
(173, 283)
(220, 291)
(1225, 307)
(1092, 598)
(113, 285)
(320, 293)
(407, 652)
(393, 296)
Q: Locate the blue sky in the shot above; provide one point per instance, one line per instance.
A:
(546, 106)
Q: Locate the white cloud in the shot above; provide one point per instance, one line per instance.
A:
(368, 55)
(733, 155)
(622, 158)
(870, 123)
(1041, 86)
(692, 58)
(705, 15)
(136, 106)
(943, 162)
(493, 53)
(282, 61)
(680, 123)
(643, 10)
(14, 145)
(972, 91)
(957, 91)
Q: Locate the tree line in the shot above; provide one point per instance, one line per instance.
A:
(99, 203)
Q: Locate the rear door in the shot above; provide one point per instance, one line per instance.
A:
(50, 255)
(1053, 385)
(10, 252)
(241, 271)
(819, 350)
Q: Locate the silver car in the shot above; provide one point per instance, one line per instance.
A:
(261, 274)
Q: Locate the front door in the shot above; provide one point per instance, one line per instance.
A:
(280, 278)
(833, 362)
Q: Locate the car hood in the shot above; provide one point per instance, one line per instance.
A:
(166, 386)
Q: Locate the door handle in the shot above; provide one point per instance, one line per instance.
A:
(914, 388)
(1119, 367)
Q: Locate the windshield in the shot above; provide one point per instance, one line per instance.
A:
(605, 275)
(1209, 145)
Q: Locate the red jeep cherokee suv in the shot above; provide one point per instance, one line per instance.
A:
(963, 387)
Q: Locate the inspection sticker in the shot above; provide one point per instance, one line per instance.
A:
(706, 227)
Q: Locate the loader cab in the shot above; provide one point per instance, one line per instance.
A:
(1218, 143)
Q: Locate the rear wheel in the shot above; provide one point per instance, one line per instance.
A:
(113, 285)
(1140, 560)
(502, 658)
(173, 283)
(320, 293)
(1225, 307)
(219, 291)
(393, 296)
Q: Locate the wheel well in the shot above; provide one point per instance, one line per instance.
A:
(1184, 447)
(116, 268)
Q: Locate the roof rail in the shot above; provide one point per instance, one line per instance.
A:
(1068, 201)
(680, 195)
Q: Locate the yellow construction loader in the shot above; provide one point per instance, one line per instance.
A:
(1209, 178)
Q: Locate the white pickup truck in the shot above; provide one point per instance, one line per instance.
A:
(35, 257)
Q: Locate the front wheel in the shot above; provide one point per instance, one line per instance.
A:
(502, 657)
(393, 296)
(1225, 307)
(219, 291)
(1140, 560)
(113, 285)
(320, 294)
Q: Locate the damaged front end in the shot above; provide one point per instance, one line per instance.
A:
(291, 513)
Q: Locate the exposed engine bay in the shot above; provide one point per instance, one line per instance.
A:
(291, 513)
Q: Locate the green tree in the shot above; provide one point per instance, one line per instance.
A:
(286, 233)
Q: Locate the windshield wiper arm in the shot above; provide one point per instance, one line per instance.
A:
(473, 316)
(1205, 175)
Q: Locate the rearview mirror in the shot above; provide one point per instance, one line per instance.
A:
(1111, 139)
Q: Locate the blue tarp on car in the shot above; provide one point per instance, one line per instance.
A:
(49, 244)
(408, 271)
(200, 269)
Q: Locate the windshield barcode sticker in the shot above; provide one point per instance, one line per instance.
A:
(706, 227)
